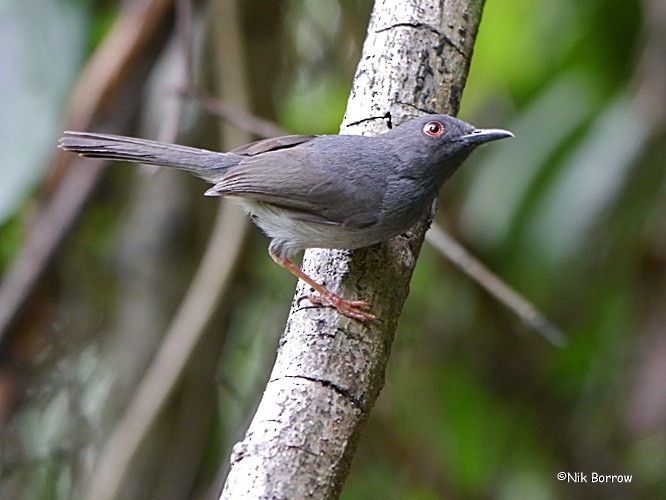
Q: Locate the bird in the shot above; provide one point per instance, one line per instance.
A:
(318, 191)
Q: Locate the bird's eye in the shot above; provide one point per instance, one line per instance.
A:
(433, 129)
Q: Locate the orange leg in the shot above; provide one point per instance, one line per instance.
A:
(347, 307)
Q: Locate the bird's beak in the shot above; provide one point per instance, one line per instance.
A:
(481, 135)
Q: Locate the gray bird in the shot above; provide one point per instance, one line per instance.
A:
(323, 191)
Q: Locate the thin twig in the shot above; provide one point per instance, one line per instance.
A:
(476, 270)
(236, 116)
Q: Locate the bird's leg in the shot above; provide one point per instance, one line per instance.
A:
(347, 307)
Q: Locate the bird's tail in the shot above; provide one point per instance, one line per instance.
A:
(206, 164)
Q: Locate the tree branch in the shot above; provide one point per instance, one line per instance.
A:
(330, 369)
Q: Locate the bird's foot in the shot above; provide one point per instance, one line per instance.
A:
(349, 308)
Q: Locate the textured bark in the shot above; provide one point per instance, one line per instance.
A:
(330, 369)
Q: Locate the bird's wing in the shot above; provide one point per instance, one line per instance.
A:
(320, 185)
(271, 144)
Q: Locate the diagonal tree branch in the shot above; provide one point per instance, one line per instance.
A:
(330, 369)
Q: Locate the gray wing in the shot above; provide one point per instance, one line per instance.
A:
(271, 144)
(315, 181)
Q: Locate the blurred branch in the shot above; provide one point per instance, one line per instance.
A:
(650, 75)
(113, 60)
(205, 293)
(71, 179)
(236, 116)
(490, 282)
(329, 369)
(209, 285)
(645, 411)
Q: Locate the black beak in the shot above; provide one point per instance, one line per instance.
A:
(481, 135)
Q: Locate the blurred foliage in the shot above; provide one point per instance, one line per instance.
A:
(570, 212)
(42, 50)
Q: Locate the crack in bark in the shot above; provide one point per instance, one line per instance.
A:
(302, 448)
(345, 393)
(369, 119)
(443, 38)
(417, 108)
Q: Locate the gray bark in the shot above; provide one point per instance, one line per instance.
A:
(329, 368)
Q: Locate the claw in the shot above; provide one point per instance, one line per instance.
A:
(349, 308)
(344, 306)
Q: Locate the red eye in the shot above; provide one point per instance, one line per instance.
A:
(433, 129)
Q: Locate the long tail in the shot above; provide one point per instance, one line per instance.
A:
(206, 164)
